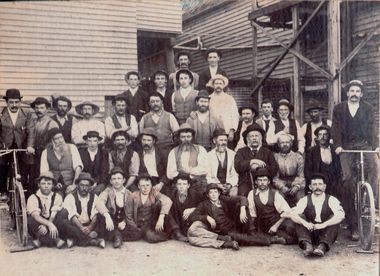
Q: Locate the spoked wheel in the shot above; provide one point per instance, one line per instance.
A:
(366, 212)
(19, 209)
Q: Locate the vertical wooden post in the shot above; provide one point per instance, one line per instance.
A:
(333, 42)
(170, 66)
(254, 56)
(296, 94)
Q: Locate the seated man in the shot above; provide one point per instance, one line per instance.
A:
(290, 179)
(269, 209)
(317, 216)
(63, 160)
(146, 209)
(219, 219)
(111, 207)
(95, 160)
(184, 203)
(125, 158)
(221, 168)
(78, 220)
(42, 209)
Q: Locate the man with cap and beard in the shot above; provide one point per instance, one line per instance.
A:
(65, 121)
(188, 158)
(17, 131)
(63, 160)
(87, 110)
(253, 157)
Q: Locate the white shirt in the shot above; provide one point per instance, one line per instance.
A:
(133, 90)
(33, 206)
(92, 154)
(119, 197)
(241, 143)
(70, 206)
(279, 202)
(81, 128)
(313, 128)
(203, 116)
(150, 163)
(326, 155)
(110, 127)
(75, 156)
(353, 108)
(213, 70)
(13, 116)
(224, 108)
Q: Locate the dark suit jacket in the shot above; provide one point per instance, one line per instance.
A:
(205, 76)
(138, 105)
(341, 121)
(243, 168)
(161, 162)
(23, 132)
(99, 167)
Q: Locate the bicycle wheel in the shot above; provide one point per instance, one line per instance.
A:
(20, 213)
(366, 212)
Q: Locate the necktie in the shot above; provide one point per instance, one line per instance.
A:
(254, 152)
(266, 125)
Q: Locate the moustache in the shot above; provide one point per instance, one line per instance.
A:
(146, 146)
(354, 97)
(318, 190)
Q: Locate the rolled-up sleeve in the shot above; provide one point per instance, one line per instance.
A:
(69, 205)
(135, 165)
(77, 161)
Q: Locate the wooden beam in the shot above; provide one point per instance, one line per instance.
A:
(271, 8)
(287, 48)
(294, 52)
(297, 97)
(274, 25)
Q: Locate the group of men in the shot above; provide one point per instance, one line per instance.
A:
(177, 163)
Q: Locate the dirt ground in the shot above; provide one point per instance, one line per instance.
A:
(177, 258)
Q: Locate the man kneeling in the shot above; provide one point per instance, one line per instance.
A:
(146, 209)
(317, 216)
(215, 223)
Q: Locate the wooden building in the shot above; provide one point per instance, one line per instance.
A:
(80, 49)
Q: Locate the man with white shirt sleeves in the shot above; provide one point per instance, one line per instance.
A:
(269, 209)
(188, 158)
(317, 217)
(65, 121)
(183, 60)
(266, 121)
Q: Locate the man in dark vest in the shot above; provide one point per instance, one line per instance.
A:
(182, 60)
(317, 217)
(354, 127)
(163, 122)
(308, 129)
(78, 220)
(63, 160)
(161, 79)
(121, 120)
(286, 125)
(125, 158)
(269, 209)
(95, 160)
(65, 121)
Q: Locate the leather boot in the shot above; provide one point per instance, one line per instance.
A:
(176, 234)
(117, 242)
(320, 250)
(231, 244)
(277, 240)
(225, 238)
(308, 249)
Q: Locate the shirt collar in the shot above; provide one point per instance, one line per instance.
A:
(41, 195)
(119, 192)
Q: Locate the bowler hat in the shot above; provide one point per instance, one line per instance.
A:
(262, 172)
(145, 175)
(217, 77)
(213, 50)
(183, 53)
(313, 104)
(40, 100)
(91, 134)
(160, 72)
(119, 98)
(285, 102)
(355, 83)
(218, 132)
(120, 133)
(326, 127)
(184, 71)
(212, 186)
(250, 106)
(202, 94)
(253, 127)
(116, 170)
(79, 107)
(149, 131)
(12, 93)
(132, 73)
(52, 132)
(62, 98)
(47, 174)
(185, 127)
(84, 176)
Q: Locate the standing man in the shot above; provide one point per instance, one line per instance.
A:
(308, 129)
(137, 99)
(317, 217)
(188, 158)
(266, 121)
(247, 113)
(202, 121)
(221, 164)
(213, 57)
(286, 125)
(63, 160)
(290, 178)
(65, 121)
(223, 106)
(183, 99)
(161, 79)
(163, 122)
(17, 131)
(153, 161)
(183, 60)
(87, 110)
(253, 157)
(43, 124)
(354, 127)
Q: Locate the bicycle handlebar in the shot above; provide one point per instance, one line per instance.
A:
(358, 151)
(6, 151)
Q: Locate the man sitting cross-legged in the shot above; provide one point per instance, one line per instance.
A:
(270, 209)
(78, 220)
(146, 209)
(111, 207)
(219, 220)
